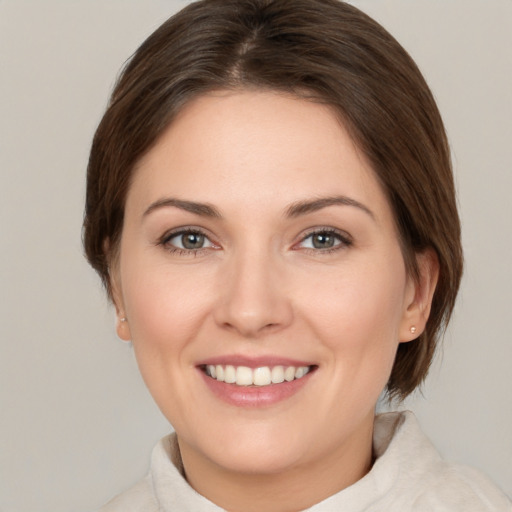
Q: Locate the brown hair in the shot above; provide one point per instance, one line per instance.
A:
(324, 50)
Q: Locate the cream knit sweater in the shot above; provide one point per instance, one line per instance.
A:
(408, 475)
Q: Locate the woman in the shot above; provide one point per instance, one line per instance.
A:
(271, 207)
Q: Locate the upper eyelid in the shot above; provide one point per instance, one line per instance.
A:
(164, 241)
(345, 240)
(313, 231)
(171, 233)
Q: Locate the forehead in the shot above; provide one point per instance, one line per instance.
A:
(263, 148)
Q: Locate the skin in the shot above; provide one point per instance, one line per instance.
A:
(259, 287)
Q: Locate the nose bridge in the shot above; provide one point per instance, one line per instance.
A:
(253, 299)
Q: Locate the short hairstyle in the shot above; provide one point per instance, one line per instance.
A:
(326, 51)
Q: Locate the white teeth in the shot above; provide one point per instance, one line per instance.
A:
(300, 372)
(262, 376)
(277, 375)
(289, 374)
(230, 374)
(243, 376)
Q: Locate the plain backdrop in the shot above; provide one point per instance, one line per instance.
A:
(77, 424)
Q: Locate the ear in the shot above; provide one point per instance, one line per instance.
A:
(419, 294)
(122, 325)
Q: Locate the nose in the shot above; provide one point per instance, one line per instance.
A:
(254, 299)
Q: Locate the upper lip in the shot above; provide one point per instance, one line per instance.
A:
(253, 362)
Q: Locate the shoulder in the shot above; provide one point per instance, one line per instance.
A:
(422, 479)
(138, 498)
(464, 489)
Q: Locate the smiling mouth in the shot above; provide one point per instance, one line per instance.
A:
(261, 376)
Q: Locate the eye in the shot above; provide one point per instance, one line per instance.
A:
(187, 240)
(325, 239)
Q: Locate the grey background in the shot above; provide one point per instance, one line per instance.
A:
(77, 424)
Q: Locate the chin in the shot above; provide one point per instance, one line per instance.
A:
(262, 460)
(260, 449)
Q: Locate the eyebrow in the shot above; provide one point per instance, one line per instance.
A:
(304, 207)
(294, 210)
(202, 209)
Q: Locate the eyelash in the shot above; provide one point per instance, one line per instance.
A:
(343, 239)
(165, 242)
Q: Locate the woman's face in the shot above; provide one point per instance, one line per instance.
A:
(257, 246)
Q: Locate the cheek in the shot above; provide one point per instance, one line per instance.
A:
(357, 315)
(165, 312)
(165, 308)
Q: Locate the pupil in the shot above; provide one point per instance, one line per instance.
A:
(322, 241)
(193, 241)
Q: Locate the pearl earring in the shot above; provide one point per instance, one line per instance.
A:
(413, 329)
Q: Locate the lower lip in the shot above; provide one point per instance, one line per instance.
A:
(254, 396)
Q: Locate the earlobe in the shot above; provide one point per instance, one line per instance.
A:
(122, 325)
(420, 295)
(123, 328)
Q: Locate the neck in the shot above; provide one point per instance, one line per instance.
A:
(292, 490)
